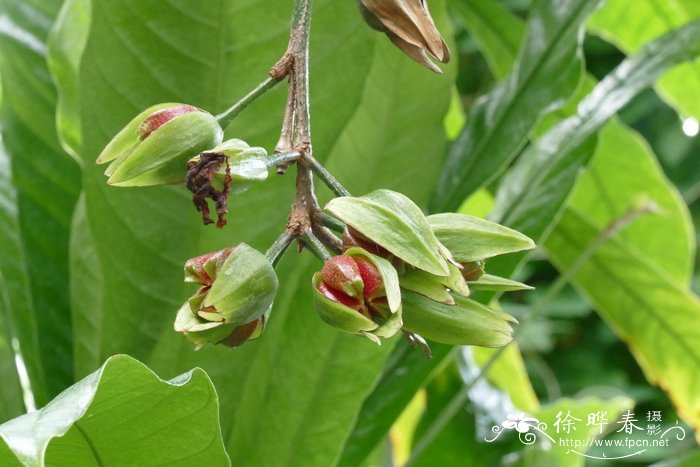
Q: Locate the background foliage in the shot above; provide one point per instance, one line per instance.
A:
(522, 124)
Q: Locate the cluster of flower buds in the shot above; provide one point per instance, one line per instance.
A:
(237, 288)
(170, 143)
(427, 266)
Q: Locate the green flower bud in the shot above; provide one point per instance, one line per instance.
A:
(155, 146)
(359, 293)
(466, 322)
(238, 287)
(392, 222)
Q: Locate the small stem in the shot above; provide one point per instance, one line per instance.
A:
(277, 249)
(328, 238)
(283, 158)
(333, 223)
(314, 245)
(227, 116)
(327, 178)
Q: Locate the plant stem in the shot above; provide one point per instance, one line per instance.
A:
(333, 223)
(226, 117)
(283, 158)
(277, 249)
(460, 398)
(315, 246)
(327, 178)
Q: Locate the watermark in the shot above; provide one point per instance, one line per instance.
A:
(636, 433)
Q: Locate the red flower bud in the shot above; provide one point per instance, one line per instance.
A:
(338, 296)
(371, 278)
(341, 273)
(160, 118)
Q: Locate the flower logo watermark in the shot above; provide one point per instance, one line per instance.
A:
(628, 434)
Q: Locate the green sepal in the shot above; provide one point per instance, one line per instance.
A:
(426, 284)
(394, 222)
(498, 284)
(199, 331)
(455, 282)
(390, 278)
(338, 315)
(247, 165)
(162, 157)
(471, 238)
(465, 323)
(127, 139)
(244, 288)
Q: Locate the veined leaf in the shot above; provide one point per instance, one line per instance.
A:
(660, 245)
(651, 311)
(46, 183)
(548, 71)
(531, 194)
(652, 18)
(172, 422)
(66, 45)
(496, 30)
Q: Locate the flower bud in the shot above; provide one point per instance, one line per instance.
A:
(238, 287)
(359, 293)
(203, 269)
(388, 223)
(155, 146)
(409, 26)
(466, 322)
(343, 274)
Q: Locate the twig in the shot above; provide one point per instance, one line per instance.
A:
(277, 249)
(314, 245)
(327, 178)
(228, 115)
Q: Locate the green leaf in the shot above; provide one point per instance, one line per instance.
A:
(497, 284)
(470, 238)
(394, 222)
(548, 72)
(66, 44)
(643, 269)
(12, 265)
(46, 182)
(140, 53)
(173, 422)
(536, 187)
(652, 18)
(496, 30)
(630, 292)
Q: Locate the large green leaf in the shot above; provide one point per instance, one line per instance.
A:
(654, 314)
(496, 30)
(47, 184)
(652, 18)
(290, 397)
(65, 48)
(11, 293)
(535, 189)
(548, 71)
(122, 414)
(639, 280)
